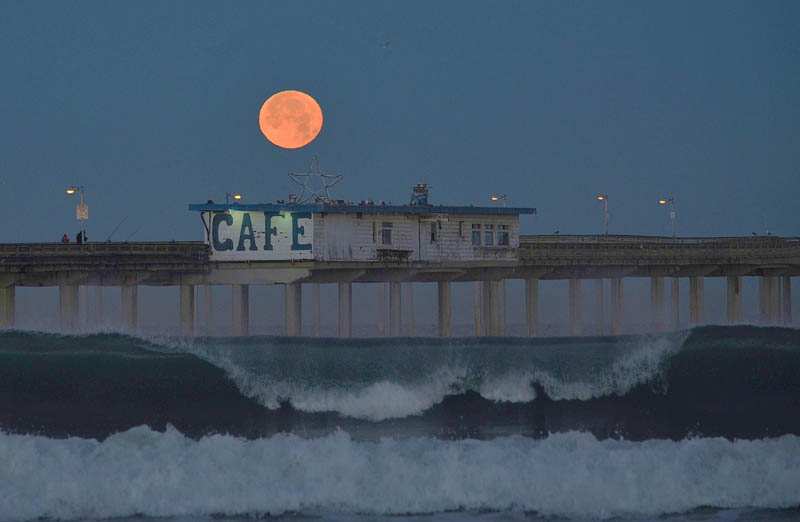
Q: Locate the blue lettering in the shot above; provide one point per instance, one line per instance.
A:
(246, 233)
(298, 230)
(215, 242)
(269, 229)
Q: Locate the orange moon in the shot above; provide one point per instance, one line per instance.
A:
(290, 119)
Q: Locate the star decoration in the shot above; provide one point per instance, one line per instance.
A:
(314, 184)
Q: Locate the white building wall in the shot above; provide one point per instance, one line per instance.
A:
(348, 237)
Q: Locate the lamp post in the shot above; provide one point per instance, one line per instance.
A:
(603, 198)
(236, 196)
(670, 204)
(82, 209)
(498, 198)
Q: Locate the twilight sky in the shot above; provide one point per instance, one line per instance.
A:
(154, 105)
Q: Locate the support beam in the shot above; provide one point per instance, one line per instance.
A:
(763, 299)
(775, 301)
(411, 326)
(733, 299)
(382, 319)
(316, 310)
(68, 307)
(293, 309)
(98, 309)
(395, 308)
(600, 307)
(207, 297)
(477, 308)
(186, 306)
(7, 306)
(532, 306)
(345, 323)
(787, 300)
(500, 298)
(575, 319)
(657, 303)
(769, 300)
(489, 308)
(617, 306)
(675, 304)
(240, 310)
(445, 309)
(696, 285)
(129, 305)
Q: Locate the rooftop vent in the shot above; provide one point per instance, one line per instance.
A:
(419, 194)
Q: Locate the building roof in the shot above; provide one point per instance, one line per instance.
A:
(364, 208)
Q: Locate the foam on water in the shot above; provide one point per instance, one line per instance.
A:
(144, 472)
(418, 377)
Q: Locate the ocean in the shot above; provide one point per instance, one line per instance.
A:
(695, 425)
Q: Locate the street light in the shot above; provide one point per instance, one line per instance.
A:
(236, 196)
(82, 209)
(498, 198)
(603, 198)
(670, 203)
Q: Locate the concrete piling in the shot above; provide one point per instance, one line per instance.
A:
(489, 308)
(477, 308)
(240, 310)
(186, 306)
(787, 300)
(129, 305)
(410, 315)
(445, 309)
(293, 309)
(733, 299)
(395, 308)
(617, 306)
(381, 309)
(600, 307)
(675, 299)
(7, 306)
(68, 307)
(345, 323)
(532, 306)
(575, 309)
(696, 293)
(316, 310)
(207, 298)
(657, 303)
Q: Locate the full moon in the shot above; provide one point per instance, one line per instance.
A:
(290, 119)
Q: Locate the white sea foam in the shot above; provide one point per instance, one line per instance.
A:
(165, 474)
(389, 397)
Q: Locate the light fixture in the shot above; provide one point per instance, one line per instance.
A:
(236, 196)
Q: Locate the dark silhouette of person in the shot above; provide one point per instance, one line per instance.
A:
(65, 238)
(79, 238)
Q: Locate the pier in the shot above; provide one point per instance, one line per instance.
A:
(593, 265)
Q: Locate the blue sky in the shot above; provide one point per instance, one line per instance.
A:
(154, 105)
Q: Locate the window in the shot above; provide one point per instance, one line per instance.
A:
(374, 232)
(386, 233)
(502, 235)
(488, 235)
(476, 235)
(433, 232)
(460, 230)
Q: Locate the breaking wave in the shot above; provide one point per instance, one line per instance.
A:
(714, 381)
(163, 474)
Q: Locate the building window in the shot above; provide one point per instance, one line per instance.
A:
(374, 232)
(386, 233)
(488, 235)
(502, 235)
(433, 232)
(460, 230)
(476, 235)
